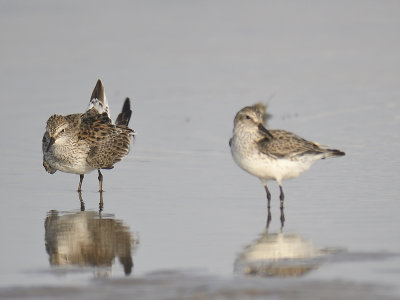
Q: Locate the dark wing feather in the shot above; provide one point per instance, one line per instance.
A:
(284, 144)
(125, 115)
(108, 143)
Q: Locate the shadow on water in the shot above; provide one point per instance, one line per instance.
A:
(279, 254)
(88, 239)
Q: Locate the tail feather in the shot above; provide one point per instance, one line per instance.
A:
(98, 100)
(125, 115)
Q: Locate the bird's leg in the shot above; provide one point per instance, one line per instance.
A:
(282, 218)
(80, 182)
(282, 196)
(268, 218)
(268, 196)
(100, 181)
(81, 200)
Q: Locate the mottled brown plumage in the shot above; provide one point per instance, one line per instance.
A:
(81, 143)
(284, 144)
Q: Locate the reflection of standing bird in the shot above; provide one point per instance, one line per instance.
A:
(81, 143)
(272, 154)
(88, 239)
(279, 255)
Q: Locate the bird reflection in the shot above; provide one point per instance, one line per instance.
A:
(282, 218)
(278, 254)
(88, 238)
(101, 203)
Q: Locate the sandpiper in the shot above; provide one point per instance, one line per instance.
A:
(81, 143)
(272, 154)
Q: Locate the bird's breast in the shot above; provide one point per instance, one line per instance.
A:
(69, 158)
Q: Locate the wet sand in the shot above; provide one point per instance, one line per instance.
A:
(175, 285)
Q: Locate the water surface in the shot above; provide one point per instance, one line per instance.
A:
(177, 206)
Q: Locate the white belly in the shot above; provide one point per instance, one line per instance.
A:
(65, 160)
(268, 168)
(79, 167)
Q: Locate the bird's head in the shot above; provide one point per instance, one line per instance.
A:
(251, 119)
(248, 116)
(56, 130)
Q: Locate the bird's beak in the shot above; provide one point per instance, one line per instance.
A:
(52, 140)
(265, 130)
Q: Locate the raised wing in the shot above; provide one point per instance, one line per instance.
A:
(98, 100)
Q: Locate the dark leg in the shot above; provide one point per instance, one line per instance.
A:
(268, 218)
(80, 182)
(282, 218)
(81, 200)
(282, 196)
(268, 196)
(100, 181)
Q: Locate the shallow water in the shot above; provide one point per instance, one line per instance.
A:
(329, 72)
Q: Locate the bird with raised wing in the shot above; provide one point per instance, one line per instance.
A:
(81, 143)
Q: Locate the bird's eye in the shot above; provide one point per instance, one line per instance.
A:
(62, 131)
(247, 117)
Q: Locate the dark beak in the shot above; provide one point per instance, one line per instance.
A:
(52, 140)
(263, 129)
